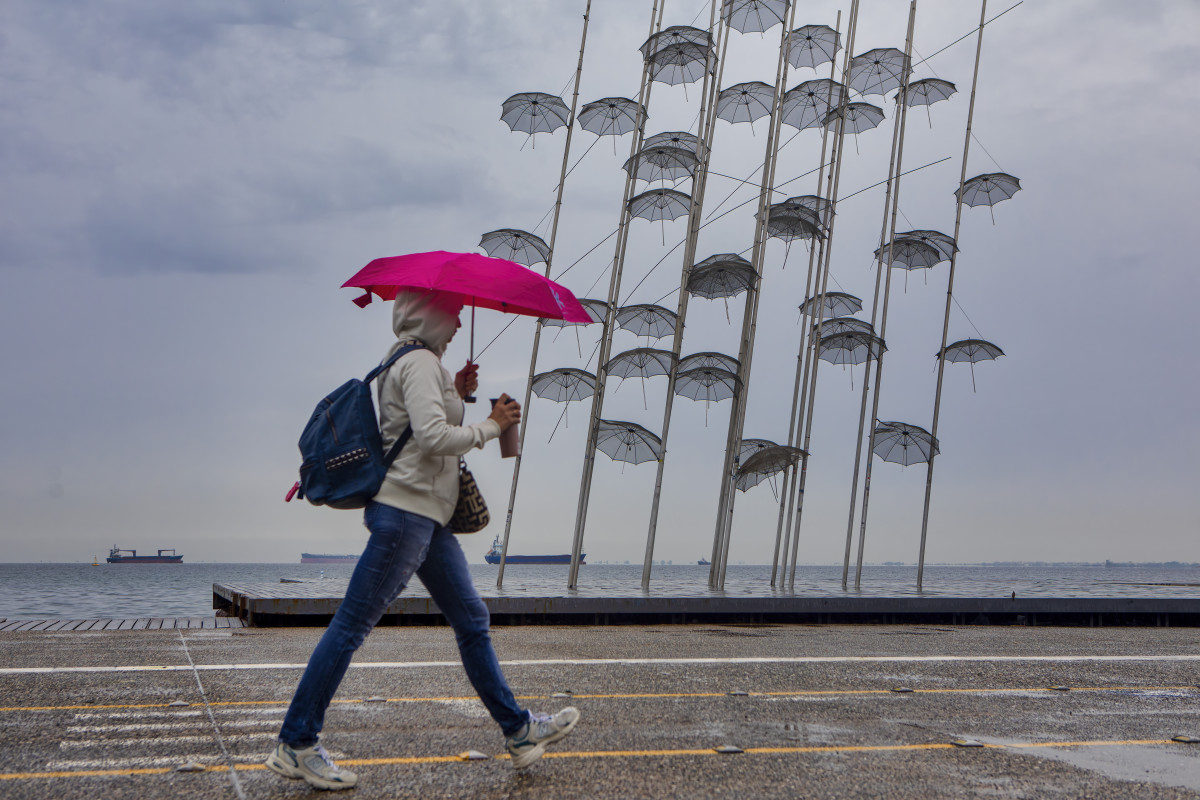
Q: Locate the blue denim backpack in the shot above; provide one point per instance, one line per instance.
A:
(342, 460)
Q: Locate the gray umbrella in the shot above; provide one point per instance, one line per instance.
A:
(647, 320)
(878, 71)
(641, 362)
(724, 276)
(628, 442)
(748, 447)
(943, 243)
(682, 139)
(753, 16)
(710, 384)
(926, 92)
(972, 351)
(678, 63)
(564, 384)
(989, 189)
(904, 444)
(789, 221)
(660, 205)
(515, 245)
(859, 117)
(765, 464)
(910, 253)
(610, 116)
(676, 34)
(850, 347)
(837, 304)
(843, 325)
(535, 112)
(662, 163)
(807, 104)
(708, 360)
(746, 102)
(812, 45)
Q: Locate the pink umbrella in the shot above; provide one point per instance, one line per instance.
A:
(475, 280)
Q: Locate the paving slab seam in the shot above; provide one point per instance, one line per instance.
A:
(233, 776)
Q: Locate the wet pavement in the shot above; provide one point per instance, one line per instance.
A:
(1056, 712)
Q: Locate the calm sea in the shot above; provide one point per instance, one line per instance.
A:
(78, 591)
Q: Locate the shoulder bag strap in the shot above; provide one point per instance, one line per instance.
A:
(398, 445)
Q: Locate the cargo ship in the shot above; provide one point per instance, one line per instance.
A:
(116, 556)
(327, 558)
(493, 557)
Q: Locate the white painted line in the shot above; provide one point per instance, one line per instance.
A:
(156, 741)
(552, 662)
(151, 762)
(147, 714)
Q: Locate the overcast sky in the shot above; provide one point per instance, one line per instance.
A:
(186, 185)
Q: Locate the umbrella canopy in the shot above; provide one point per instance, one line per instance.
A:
(812, 45)
(789, 221)
(662, 163)
(850, 347)
(610, 116)
(708, 360)
(972, 351)
(746, 102)
(936, 239)
(641, 362)
(595, 310)
(710, 384)
(859, 117)
(878, 71)
(989, 189)
(805, 105)
(678, 63)
(753, 16)
(844, 325)
(928, 91)
(765, 463)
(910, 253)
(535, 112)
(837, 304)
(564, 384)
(515, 245)
(682, 139)
(628, 442)
(724, 275)
(647, 320)
(660, 204)
(676, 34)
(748, 447)
(474, 279)
(904, 444)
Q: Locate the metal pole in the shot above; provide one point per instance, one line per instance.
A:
(802, 361)
(887, 286)
(537, 332)
(749, 320)
(862, 411)
(614, 287)
(705, 128)
(826, 256)
(937, 398)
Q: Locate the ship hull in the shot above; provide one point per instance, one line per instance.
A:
(144, 559)
(323, 558)
(494, 558)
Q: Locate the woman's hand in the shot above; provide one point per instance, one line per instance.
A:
(467, 380)
(506, 412)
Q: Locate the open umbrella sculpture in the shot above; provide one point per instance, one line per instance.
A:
(475, 280)
(746, 102)
(651, 321)
(753, 16)
(534, 113)
(836, 304)
(878, 71)
(972, 351)
(988, 189)
(610, 116)
(904, 444)
(708, 360)
(595, 309)
(641, 362)
(807, 104)
(748, 447)
(710, 384)
(515, 245)
(627, 441)
(910, 254)
(766, 463)
(926, 92)
(563, 385)
(850, 347)
(812, 45)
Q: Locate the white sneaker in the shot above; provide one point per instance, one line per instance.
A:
(529, 743)
(313, 765)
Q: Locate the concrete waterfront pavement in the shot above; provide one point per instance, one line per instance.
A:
(87, 714)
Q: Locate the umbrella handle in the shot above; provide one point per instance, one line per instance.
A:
(472, 398)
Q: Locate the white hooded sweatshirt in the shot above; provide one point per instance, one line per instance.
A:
(418, 390)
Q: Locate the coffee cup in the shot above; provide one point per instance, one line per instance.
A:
(510, 439)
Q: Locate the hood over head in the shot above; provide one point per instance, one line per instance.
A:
(428, 316)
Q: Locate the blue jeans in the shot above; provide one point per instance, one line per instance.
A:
(402, 543)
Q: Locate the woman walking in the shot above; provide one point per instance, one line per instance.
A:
(407, 522)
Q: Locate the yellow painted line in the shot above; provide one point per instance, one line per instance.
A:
(639, 696)
(590, 754)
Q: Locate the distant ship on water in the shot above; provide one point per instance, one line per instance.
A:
(116, 556)
(493, 557)
(327, 558)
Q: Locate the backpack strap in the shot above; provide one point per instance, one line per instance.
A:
(398, 445)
